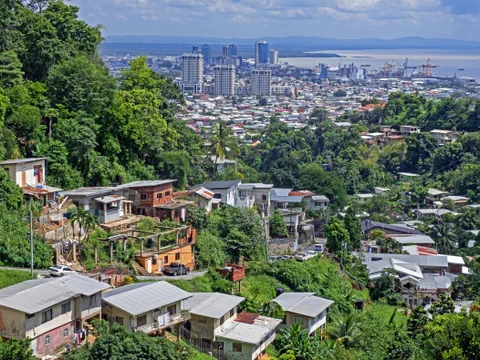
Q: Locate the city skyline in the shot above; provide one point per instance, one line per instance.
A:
(249, 18)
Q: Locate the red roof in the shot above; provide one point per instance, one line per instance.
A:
(247, 318)
(307, 193)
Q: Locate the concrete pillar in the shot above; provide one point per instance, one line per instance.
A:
(124, 241)
(74, 251)
(141, 247)
(159, 242)
(111, 250)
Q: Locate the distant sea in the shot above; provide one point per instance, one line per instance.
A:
(450, 61)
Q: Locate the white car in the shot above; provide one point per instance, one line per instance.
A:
(318, 248)
(60, 270)
(305, 256)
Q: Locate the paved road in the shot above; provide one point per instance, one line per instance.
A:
(190, 276)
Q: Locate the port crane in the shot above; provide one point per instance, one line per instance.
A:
(406, 68)
(428, 68)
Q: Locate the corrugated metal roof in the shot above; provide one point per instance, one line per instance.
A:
(249, 333)
(213, 306)
(303, 303)
(36, 295)
(20, 161)
(221, 184)
(137, 300)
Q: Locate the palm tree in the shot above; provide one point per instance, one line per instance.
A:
(346, 330)
(296, 340)
(85, 220)
(444, 237)
(222, 143)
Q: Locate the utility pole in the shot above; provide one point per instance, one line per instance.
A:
(31, 237)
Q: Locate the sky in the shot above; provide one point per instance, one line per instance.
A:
(457, 19)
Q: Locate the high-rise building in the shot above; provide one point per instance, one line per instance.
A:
(232, 50)
(225, 80)
(206, 53)
(195, 49)
(273, 56)
(192, 73)
(261, 82)
(261, 52)
(225, 51)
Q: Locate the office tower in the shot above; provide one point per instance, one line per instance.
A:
(232, 50)
(273, 57)
(195, 49)
(225, 80)
(261, 82)
(225, 51)
(206, 53)
(261, 52)
(192, 73)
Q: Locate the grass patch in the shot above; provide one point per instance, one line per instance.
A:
(182, 284)
(385, 312)
(203, 283)
(12, 277)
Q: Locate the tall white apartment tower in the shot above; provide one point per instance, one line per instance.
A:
(225, 80)
(192, 73)
(273, 57)
(261, 82)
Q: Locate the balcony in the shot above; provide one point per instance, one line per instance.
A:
(245, 201)
(164, 321)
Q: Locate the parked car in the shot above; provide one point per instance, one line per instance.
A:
(275, 258)
(60, 270)
(176, 269)
(286, 257)
(305, 255)
(318, 248)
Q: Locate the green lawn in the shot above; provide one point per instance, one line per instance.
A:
(386, 311)
(12, 277)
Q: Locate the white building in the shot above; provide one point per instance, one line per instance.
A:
(192, 73)
(225, 80)
(273, 57)
(261, 82)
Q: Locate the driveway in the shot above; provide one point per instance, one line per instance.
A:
(192, 275)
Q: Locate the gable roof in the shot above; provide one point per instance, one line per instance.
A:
(137, 299)
(221, 184)
(20, 161)
(368, 225)
(414, 239)
(211, 305)
(303, 303)
(33, 296)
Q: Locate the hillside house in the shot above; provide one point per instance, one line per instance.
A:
(225, 191)
(148, 307)
(444, 136)
(304, 308)
(406, 130)
(49, 311)
(201, 197)
(254, 194)
(209, 312)
(30, 175)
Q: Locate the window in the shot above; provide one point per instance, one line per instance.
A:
(222, 320)
(264, 197)
(66, 333)
(220, 345)
(66, 307)
(141, 320)
(47, 340)
(143, 196)
(236, 347)
(242, 193)
(93, 300)
(177, 256)
(159, 195)
(119, 320)
(167, 193)
(29, 316)
(217, 196)
(47, 316)
(232, 312)
(172, 309)
(298, 320)
(165, 259)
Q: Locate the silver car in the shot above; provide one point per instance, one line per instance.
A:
(60, 270)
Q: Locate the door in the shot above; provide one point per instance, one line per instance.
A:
(24, 178)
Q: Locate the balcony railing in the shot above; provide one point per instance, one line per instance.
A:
(163, 321)
(246, 201)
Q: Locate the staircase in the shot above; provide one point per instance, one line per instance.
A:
(139, 269)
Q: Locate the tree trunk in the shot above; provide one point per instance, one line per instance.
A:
(95, 249)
